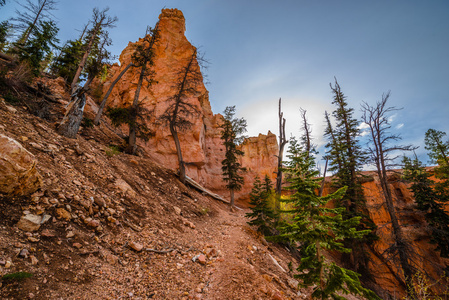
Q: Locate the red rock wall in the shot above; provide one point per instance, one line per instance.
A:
(201, 145)
(415, 231)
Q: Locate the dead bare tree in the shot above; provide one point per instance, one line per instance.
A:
(27, 19)
(71, 121)
(142, 58)
(382, 155)
(106, 96)
(178, 114)
(100, 21)
(282, 142)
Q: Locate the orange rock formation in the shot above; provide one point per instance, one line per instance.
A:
(384, 268)
(201, 145)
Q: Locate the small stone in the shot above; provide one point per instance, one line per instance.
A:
(76, 182)
(8, 264)
(136, 246)
(33, 239)
(202, 259)
(11, 109)
(177, 210)
(267, 277)
(54, 201)
(94, 223)
(48, 233)
(63, 214)
(29, 223)
(34, 260)
(24, 253)
(24, 138)
(99, 201)
(277, 296)
(77, 245)
(70, 234)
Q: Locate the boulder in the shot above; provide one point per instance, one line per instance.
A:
(18, 173)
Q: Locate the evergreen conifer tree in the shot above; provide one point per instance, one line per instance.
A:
(262, 216)
(346, 159)
(232, 135)
(318, 228)
(40, 45)
(430, 201)
(438, 153)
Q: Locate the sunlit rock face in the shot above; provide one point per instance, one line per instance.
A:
(201, 145)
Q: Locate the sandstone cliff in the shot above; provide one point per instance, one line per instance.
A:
(387, 277)
(201, 145)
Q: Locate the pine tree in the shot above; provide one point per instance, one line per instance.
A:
(180, 111)
(319, 228)
(66, 63)
(262, 216)
(232, 135)
(430, 202)
(5, 27)
(438, 151)
(40, 45)
(346, 159)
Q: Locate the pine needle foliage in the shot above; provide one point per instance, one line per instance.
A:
(261, 215)
(232, 136)
(319, 228)
(430, 201)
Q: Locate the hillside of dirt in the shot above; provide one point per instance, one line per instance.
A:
(116, 226)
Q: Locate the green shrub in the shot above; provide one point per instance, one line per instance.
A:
(17, 276)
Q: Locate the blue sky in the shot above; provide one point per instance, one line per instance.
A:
(261, 50)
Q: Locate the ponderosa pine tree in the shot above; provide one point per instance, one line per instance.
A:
(232, 136)
(39, 45)
(318, 228)
(345, 161)
(438, 151)
(261, 216)
(100, 21)
(430, 201)
(143, 58)
(28, 20)
(180, 111)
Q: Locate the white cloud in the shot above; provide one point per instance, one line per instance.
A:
(399, 126)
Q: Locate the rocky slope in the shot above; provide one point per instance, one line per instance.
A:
(100, 224)
(201, 145)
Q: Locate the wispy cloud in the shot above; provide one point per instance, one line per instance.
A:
(399, 126)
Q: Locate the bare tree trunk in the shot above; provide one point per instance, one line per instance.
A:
(30, 28)
(182, 167)
(105, 98)
(70, 124)
(231, 192)
(282, 143)
(324, 179)
(133, 125)
(85, 56)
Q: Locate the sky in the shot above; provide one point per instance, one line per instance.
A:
(263, 50)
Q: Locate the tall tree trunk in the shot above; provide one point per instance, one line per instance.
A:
(85, 56)
(105, 98)
(30, 28)
(70, 124)
(231, 192)
(282, 143)
(131, 149)
(182, 167)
